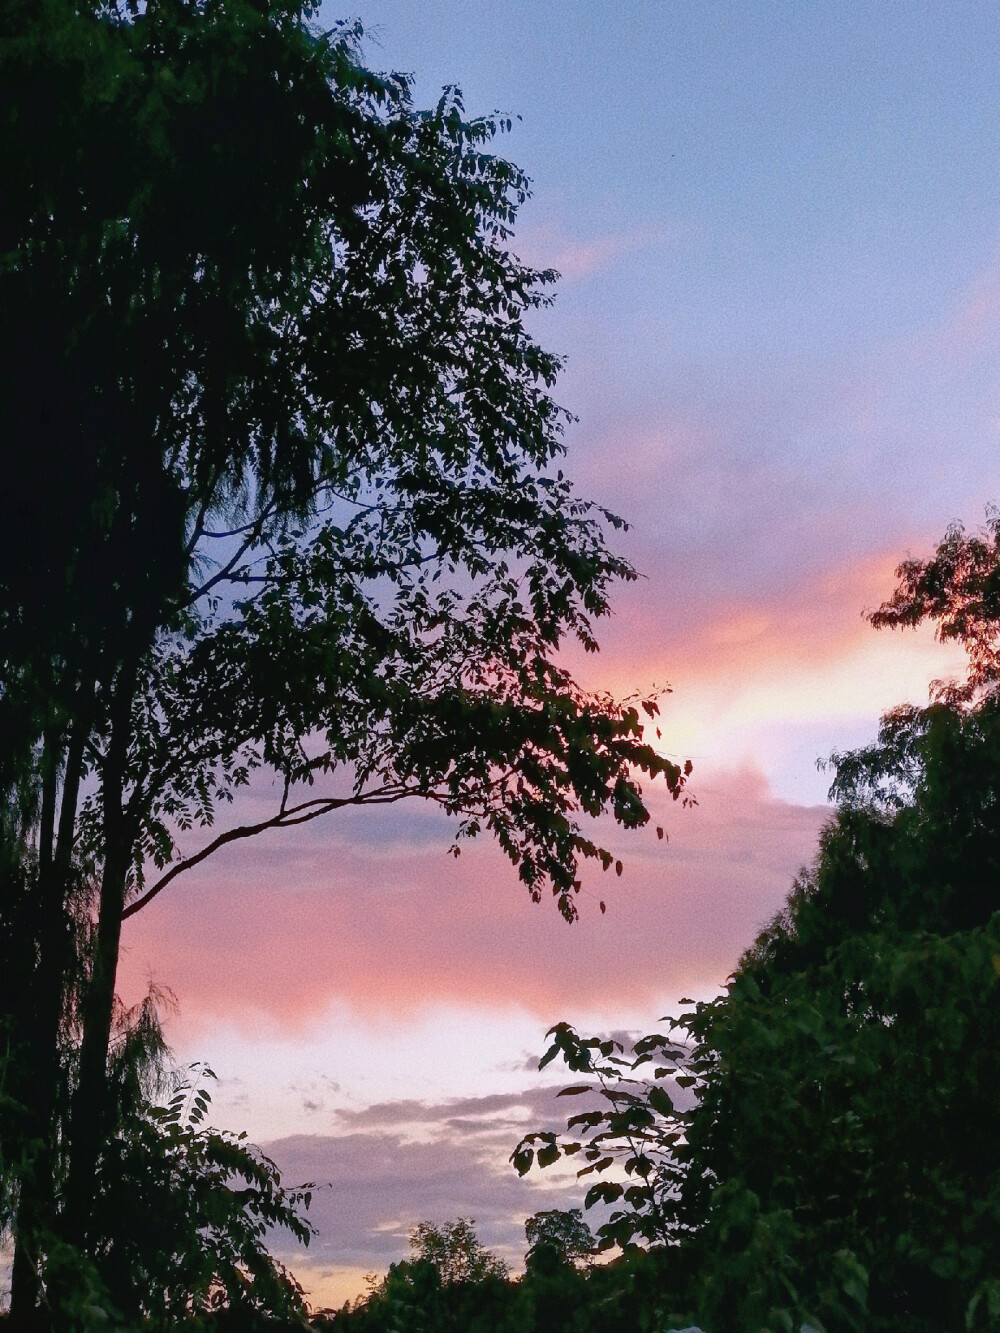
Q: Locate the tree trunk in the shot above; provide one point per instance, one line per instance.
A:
(50, 932)
(90, 1118)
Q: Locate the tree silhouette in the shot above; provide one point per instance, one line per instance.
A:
(454, 1249)
(958, 589)
(559, 1236)
(285, 457)
(840, 1165)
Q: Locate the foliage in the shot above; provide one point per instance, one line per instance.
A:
(182, 1213)
(455, 1251)
(272, 401)
(958, 589)
(557, 1236)
(631, 1126)
(840, 1163)
(183, 1216)
(452, 1283)
(626, 1296)
(821, 1174)
(339, 432)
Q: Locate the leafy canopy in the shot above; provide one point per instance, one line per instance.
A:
(838, 1166)
(454, 1249)
(295, 453)
(286, 462)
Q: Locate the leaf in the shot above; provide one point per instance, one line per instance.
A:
(522, 1159)
(586, 1118)
(605, 1191)
(601, 1164)
(659, 1100)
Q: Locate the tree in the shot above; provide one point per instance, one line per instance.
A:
(630, 1124)
(454, 1249)
(270, 396)
(841, 1163)
(554, 1290)
(557, 1235)
(452, 1282)
(181, 1213)
(958, 589)
(184, 1215)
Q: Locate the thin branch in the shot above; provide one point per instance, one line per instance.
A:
(303, 813)
(197, 529)
(222, 574)
(252, 525)
(231, 532)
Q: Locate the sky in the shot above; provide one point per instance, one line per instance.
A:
(778, 232)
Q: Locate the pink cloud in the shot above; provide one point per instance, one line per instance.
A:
(973, 323)
(730, 641)
(574, 257)
(280, 929)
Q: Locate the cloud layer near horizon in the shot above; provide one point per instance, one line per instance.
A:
(386, 1167)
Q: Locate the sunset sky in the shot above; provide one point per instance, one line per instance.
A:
(779, 237)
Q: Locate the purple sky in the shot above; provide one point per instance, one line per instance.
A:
(778, 232)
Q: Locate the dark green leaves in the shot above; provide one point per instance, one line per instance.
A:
(603, 1192)
(834, 1162)
(331, 419)
(268, 392)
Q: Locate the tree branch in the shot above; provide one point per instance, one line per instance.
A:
(287, 817)
(195, 594)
